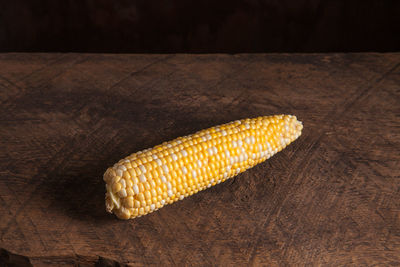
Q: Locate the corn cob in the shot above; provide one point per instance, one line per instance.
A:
(150, 179)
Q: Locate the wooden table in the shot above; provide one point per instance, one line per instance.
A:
(330, 198)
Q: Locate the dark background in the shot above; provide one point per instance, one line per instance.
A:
(201, 26)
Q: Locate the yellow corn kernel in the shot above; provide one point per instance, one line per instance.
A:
(116, 187)
(148, 180)
(129, 202)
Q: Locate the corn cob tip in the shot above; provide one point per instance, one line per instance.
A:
(150, 179)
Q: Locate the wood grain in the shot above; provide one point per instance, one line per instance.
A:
(331, 198)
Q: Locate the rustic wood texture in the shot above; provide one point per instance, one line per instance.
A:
(331, 198)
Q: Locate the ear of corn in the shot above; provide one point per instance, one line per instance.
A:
(150, 179)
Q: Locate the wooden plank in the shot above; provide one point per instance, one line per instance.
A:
(330, 198)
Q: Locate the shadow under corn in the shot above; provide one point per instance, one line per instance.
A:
(79, 193)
